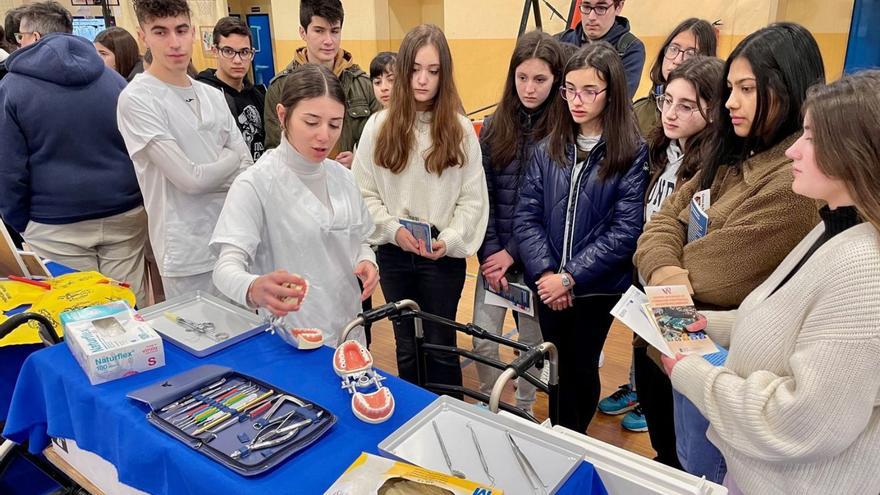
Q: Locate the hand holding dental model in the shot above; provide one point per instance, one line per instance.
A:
(280, 292)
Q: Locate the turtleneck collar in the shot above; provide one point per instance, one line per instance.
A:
(838, 219)
(529, 117)
(297, 162)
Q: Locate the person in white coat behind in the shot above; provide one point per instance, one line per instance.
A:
(298, 215)
(185, 146)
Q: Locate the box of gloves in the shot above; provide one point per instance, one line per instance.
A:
(112, 341)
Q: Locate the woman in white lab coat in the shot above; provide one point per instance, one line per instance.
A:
(298, 215)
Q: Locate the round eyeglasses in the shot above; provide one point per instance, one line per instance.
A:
(681, 110)
(230, 53)
(585, 95)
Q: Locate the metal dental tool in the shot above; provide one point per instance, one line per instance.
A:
(254, 405)
(190, 398)
(205, 328)
(526, 466)
(211, 411)
(454, 472)
(277, 436)
(480, 453)
(266, 418)
(256, 399)
(201, 403)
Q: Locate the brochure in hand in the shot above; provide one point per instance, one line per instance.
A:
(517, 297)
(420, 230)
(666, 318)
(698, 222)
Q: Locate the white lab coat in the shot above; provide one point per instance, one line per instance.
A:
(182, 203)
(272, 216)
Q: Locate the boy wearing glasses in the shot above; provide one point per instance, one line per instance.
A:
(601, 21)
(234, 51)
(185, 146)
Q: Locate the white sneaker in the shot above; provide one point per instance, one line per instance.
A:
(601, 358)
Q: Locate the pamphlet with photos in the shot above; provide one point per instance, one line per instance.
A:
(517, 297)
(666, 318)
(420, 230)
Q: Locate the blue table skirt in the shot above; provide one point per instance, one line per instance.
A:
(13, 356)
(54, 398)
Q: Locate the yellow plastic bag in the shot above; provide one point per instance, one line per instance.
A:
(72, 291)
(14, 294)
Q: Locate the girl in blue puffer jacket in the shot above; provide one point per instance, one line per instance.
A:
(578, 220)
(528, 106)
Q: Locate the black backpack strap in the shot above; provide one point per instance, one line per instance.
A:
(624, 42)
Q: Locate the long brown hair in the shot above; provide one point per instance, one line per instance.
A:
(619, 129)
(505, 136)
(707, 44)
(124, 48)
(704, 74)
(397, 138)
(845, 117)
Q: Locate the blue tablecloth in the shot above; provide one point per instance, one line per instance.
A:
(54, 398)
(13, 356)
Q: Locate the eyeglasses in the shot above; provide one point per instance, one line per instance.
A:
(681, 110)
(600, 10)
(20, 36)
(244, 53)
(672, 52)
(586, 95)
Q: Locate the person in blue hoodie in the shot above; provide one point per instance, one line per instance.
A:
(66, 181)
(601, 21)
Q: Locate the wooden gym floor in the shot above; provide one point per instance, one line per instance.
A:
(615, 372)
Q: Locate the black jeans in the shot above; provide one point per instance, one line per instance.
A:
(655, 397)
(436, 286)
(579, 333)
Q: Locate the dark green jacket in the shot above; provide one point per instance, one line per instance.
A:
(360, 101)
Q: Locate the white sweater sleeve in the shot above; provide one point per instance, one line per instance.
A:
(818, 409)
(231, 276)
(465, 232)
(191, 177)
(719, 325)
(363, 168)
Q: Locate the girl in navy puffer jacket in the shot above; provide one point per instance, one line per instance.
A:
(529, 104)
(578, 220)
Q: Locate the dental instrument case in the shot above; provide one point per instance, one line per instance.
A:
(202, 324)
(553, 459)
(243, 423)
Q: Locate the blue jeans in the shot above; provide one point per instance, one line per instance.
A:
(697, 455)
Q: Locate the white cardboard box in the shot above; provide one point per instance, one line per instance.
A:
(111, 341)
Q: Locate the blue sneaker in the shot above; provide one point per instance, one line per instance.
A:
(624, 400)
(635, 420)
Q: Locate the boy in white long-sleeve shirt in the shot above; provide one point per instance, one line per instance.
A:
(185, 146)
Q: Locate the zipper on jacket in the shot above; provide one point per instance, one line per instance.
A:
(571, 208)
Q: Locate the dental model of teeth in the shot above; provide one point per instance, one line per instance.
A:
(354, 364)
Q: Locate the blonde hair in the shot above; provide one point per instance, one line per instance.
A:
(845, 119)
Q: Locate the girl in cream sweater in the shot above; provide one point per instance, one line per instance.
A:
(420, 159)
(796, 408)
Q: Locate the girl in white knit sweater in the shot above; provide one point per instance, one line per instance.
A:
(420, 159)
(796, 408)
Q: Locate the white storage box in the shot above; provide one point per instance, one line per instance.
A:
(112, 341)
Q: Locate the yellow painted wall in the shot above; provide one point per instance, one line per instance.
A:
(829, 22)
(482, 33)
(204, 13)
